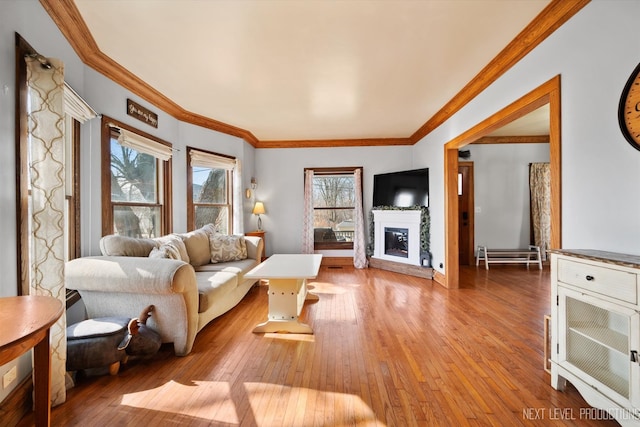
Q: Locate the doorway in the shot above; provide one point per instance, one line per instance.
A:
(547, 93)
(466, 214)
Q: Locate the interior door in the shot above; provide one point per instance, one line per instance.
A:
(465, 213)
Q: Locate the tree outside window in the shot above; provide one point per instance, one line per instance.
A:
(210, 198)
(134, 192)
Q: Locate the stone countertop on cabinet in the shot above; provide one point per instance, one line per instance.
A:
(624, 260)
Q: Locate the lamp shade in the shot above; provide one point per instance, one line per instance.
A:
(258, 208)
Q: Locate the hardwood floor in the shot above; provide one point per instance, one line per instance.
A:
(388, 349)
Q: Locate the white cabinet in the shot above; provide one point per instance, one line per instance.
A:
(595, 329)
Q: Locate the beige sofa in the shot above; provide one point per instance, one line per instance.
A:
(183, 275)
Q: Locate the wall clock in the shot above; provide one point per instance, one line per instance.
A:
(629, 109)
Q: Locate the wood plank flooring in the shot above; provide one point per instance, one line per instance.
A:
(388, 350)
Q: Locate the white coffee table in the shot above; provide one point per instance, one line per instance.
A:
(287, 275)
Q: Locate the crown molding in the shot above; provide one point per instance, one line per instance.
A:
(315, 143)
(66, 16)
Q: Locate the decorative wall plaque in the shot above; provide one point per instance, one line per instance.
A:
(144, 115)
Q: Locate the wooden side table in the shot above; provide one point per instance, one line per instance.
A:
(259, 233)
(26, 322)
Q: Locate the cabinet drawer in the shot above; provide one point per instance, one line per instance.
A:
(613, 283)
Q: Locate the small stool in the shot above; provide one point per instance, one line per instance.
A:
(93, 343)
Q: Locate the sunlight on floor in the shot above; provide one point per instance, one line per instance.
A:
(347, 409)
(326, 288)
(215, 401)
(290, 337)
(210, 401)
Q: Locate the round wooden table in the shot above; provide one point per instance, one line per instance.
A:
(25, 324)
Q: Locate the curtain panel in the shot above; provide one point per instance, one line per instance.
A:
(359, 242)
(45, 88)
(540, 189)
(307, 223)
(238, 212)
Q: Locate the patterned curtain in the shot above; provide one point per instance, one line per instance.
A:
(359, 243)
(46, 210)
(540, 188)
(307, 224)
(238, 204)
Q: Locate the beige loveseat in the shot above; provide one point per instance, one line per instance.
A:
(186, 276)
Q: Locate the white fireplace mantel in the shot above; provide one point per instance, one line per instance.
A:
(408, 219)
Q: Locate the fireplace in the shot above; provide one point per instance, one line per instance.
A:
(396, 241)
(396, 235)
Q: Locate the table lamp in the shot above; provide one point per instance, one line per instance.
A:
(257, 210)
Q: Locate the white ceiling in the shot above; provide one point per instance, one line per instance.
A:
(535, 123)
(308, 69)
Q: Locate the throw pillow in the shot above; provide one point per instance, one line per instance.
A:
(160, 252)
(197, 244)
(174, 243)
(227, 248)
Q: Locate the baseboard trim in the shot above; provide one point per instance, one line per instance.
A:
(399, 267)
(328, 261)
(17, 404)
(439, 278)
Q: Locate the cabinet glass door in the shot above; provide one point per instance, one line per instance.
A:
(598, 343)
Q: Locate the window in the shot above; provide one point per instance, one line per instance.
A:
(209, 190)
(136, 182)
(333, 207)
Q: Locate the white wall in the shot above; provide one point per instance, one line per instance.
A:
(280, 174)
(501, 192)
(594, 52)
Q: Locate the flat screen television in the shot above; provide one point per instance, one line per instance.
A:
(401, 189)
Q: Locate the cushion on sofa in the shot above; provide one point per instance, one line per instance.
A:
(237, 267)
(212, 286)
(197, 245)
(115, 245)
(165, 251)
(226, 248)
(171, 246)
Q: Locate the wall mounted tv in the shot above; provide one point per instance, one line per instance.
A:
(401, 189)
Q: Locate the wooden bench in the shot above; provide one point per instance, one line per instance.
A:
(528, 256)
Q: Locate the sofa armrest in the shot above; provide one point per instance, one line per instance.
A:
(130, 275)
(122, 286)
(255, 247)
